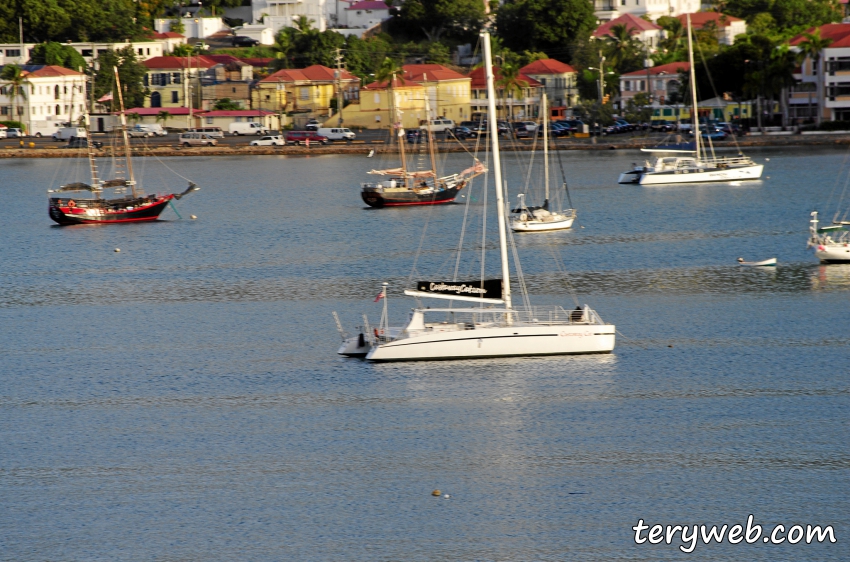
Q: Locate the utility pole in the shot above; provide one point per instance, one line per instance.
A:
(601, 76)
(338, 77)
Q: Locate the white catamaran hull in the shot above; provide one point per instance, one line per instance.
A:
(539, 226)
(707, 175)
(499, 342)
(833, 253)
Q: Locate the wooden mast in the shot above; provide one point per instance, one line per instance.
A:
(132, 179)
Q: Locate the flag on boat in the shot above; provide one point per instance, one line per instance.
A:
(380, 296)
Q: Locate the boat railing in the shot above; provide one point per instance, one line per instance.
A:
(728, 160)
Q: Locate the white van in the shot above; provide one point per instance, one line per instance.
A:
(337, 133)
(440, 125)
(68, 133)
(250, 128)
(196, 139)
(214, 132)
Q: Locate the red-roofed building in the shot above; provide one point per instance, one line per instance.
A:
(661, 82)
(365, 14)
(174, 80)
(558, 80)
(645, 31)
(727, 27)
(526, 105)
(223, 118)
(822, 91)
(305, 91)
(50, 96)
(169, 39)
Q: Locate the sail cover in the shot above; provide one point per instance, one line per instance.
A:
(78, 186)
(489, 290)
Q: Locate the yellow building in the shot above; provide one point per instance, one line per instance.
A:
(174, 80)
(448, 94)
(305, 92)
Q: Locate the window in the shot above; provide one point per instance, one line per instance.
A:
(175, 77)
(250, 119)
(377, 98)
(627, 85)
(304, 93)
(233, 90)
(141, 51)
(58, 110)
(209, 120)
(56, 92)
(174, 96)
(87, 52)
(13, 52)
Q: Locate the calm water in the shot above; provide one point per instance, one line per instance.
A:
(183, 400)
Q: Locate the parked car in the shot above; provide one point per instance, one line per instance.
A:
(196, 139)
(729, 128)
(440, 125)
(662, 125)
(416, 135)
(247, 128)
(312, 125)
(63, 133)
(242, 41)
(82, 143)
(337, 133)
(15, 133)
(624, 125)
(271, 140)
(521, 131)
(460, 132)
(302, 137)
(530, 125)
(712, 133)
(214, 132)
(2, 132)
(140, 131)
(559, 130)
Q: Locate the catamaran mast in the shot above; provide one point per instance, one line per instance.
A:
(132, 179)
(497, 171)
(695, 116)
(545, 123)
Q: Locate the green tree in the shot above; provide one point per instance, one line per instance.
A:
(363, 57)
(545, 25)
(131, 73)
(438, 54)
(391, 72)
(226, 104)
(14, 75)
(57, 54)
(622, 52)
(176, 25)
(461, 19)
(510, 85)
(72, 20)
(181, 50)
(638, 108)
(163, 117)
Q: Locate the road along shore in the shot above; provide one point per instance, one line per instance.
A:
(605, 143)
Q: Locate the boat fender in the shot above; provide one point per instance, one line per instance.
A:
(361, 341)
(72, 203)
(523, 217)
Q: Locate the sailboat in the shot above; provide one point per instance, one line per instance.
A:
(415, 187)
(539, 219)
(698, 167)
(127, 208)
(831, 243)
(492, 327)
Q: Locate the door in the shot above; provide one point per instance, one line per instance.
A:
(156, 99)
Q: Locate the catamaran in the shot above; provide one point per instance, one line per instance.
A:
(697, 167)
(492, 326)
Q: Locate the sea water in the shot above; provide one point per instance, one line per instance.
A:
(182, 399)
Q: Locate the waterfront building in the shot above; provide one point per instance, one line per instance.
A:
(277, 14)
(558, 80)
(159, 45)
(306, 93)
(823, 86)
(526, 105)
(607, 10)
(49, 96)
(661, 82)
(644, 31)
(725, 27)
(173, 81)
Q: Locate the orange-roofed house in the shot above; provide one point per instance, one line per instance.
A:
(51, 95)
(823, 88)
(525, 105)
(726, 27)
(305, 92)
(660, 82)
(173, 81)
(558, 80)
(645, 31)
(448, 93)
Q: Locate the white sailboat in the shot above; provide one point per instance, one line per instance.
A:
(831, 244)
(698, 167)
(487, 329)
(541, 219)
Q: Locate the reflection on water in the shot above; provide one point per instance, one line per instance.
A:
(831, 277)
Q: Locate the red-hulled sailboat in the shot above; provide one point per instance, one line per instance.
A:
(132, 207)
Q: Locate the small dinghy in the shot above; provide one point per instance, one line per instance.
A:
(763, 263)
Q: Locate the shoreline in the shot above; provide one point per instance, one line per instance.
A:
(380, 147)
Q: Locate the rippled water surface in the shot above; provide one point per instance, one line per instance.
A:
(183, 400)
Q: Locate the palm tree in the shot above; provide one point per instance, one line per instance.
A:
(619, 46)
(163, 116)
(510, 83)
(15, 76)
(783, 62)
(812, 47)
(390, 71)
(284, 43)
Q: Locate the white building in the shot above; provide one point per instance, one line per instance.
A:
(824, 90)
(726, 27)
(193, 26)
(15, 53)
(366, 14)
(277, 14)
(607, 10)
(645, 31)
(51, 95)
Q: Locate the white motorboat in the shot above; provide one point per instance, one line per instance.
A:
(698, 167)
(831, 244)
(493, 327)
(764, 263)
(540, 219)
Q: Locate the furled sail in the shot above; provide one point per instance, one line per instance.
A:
(77, 186)
(488, 290)
(401, 172)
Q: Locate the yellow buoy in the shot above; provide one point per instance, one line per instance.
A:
(436, 493)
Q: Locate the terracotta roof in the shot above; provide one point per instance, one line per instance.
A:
(547, 66)
(148, 111)
(633, 23)
(168, 35)
(430, 73)
(226, 59)
(315, 73)
(699, 19)
(479, 78)
(238, 112)
(835, 31)
(258, 62)
(368, 5)
(51, 71)
(157, 63)
(669, 68)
